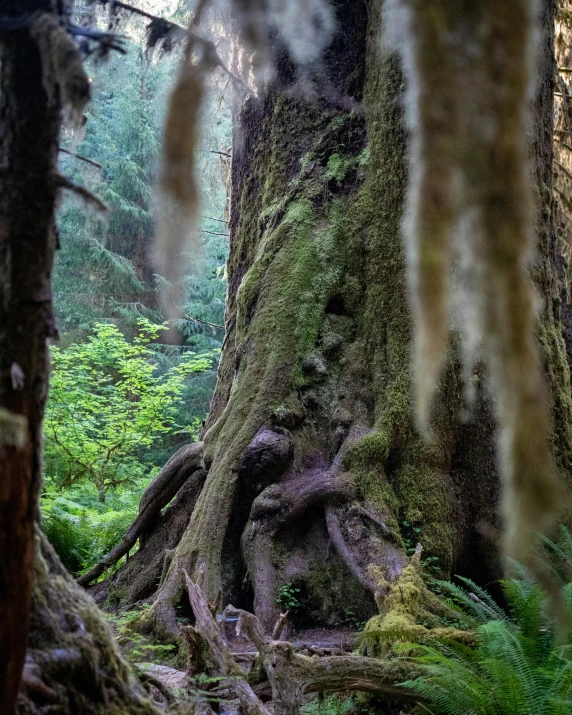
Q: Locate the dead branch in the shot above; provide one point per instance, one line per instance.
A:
(80, 157)
(143, 13)
(201, 321)
(280, 625)
(214, 233)
(220, 652)
(85, 194)
(291, 675)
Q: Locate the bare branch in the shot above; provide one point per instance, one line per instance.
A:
(80, 157)
(65, 183)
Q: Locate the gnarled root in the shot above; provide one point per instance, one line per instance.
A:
(183, 464)
(291, 675)
(277, 505)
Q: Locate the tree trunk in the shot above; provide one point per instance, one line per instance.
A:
(314, 465)
(29, 136)
(72, 664)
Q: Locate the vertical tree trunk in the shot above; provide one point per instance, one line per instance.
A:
(29, 132)
(314, 465)
(72, 664)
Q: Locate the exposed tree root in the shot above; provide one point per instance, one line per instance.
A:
(158, 494)
(291, 675)
(275, 507)
(335, 534)
(140, 575)
(279, 505)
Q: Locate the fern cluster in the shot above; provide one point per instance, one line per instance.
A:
(82, 529)
(521, 664)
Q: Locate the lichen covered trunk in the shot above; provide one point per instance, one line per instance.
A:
(312, 410)
(315, 471)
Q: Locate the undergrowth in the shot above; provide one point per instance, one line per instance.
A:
(82, 529)
(522, 661)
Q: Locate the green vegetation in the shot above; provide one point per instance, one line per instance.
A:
(122, 399)
(82, 529)
(288, 597)
(521, 663)
(136, 647)
(103, 270)
(109, 403)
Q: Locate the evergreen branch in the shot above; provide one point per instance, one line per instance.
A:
(107, 40)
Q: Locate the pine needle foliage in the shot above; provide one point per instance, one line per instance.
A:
(518, 667)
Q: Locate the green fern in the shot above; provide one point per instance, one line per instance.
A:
(70, 536)
(81, 529)
(560, 553)
(517, 668)
(473, 600)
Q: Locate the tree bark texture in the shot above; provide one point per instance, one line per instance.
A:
(71, 663)
(29, 134)
(313, 463)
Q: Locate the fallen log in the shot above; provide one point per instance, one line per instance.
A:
(291, 675)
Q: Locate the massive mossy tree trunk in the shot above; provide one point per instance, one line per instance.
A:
(314, 468)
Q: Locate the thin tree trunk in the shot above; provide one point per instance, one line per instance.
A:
(72, 664)
(29, 132)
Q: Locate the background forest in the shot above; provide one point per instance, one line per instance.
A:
(122, 398)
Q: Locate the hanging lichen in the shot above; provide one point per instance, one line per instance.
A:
(178, 189)
(63, 75)
(470, 222)
(306, 27)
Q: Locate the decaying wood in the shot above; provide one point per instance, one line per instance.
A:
(279, 627)
(291, 675)
(182, 465)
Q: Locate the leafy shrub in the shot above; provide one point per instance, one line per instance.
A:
(109, 404)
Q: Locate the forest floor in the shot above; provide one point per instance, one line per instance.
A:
(342, 638)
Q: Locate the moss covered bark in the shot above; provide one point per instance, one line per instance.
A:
(318, 349)
(73, 664)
